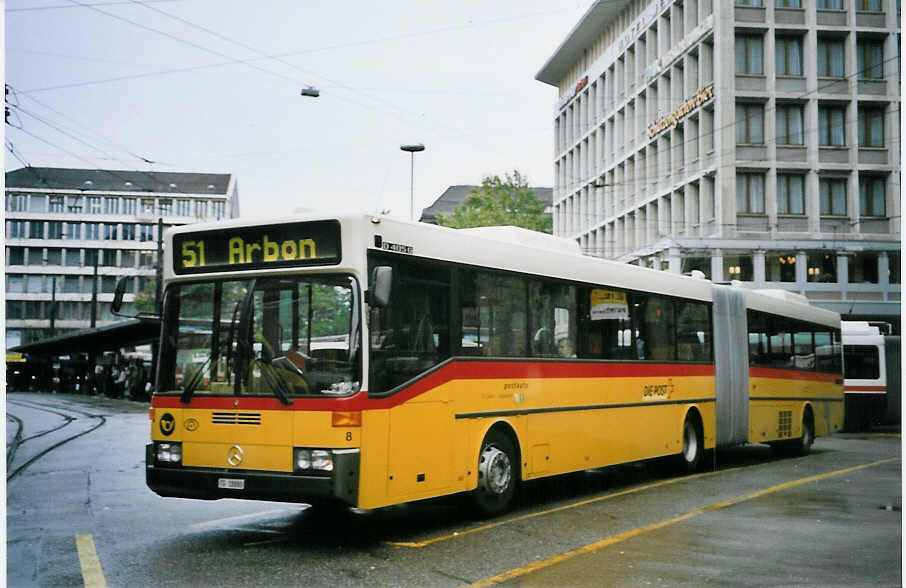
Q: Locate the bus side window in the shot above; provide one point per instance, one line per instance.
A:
(693, 331)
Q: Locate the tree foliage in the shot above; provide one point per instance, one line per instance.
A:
(497, 202)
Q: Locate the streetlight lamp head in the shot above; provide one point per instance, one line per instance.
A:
(311, 92)
(413, 148)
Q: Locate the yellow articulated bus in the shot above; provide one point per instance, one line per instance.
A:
(371, 361)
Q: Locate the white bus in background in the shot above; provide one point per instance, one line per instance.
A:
(871, 366)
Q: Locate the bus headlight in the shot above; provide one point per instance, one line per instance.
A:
(307, 460)
(302, 459)
(170, 453)
(322, 460)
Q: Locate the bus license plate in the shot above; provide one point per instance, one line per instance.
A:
(231, 484)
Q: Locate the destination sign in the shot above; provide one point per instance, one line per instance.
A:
(266, 246)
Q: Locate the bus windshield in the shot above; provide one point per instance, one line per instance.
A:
(276, 336)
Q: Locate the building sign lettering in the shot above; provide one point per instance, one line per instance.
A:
(670, 121)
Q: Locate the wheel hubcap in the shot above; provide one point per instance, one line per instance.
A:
(494, 470)
(690, 444)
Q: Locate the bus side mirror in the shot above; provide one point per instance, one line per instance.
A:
(118, 294)
(381, 282)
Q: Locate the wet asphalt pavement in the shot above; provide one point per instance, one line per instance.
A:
(831, 518)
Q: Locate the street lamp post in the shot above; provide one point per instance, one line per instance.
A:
(412, 149)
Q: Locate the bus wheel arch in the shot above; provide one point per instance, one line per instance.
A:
(693, 442)
(499, 468)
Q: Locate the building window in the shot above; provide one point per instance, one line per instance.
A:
(166, 206)
(749, 54)
(830, 4)
(148, 206)
(183, 207)
(37, 203)
(94, 205)
(33, 284)
(16, 229)
(112, 205)
(832, 196)
(57, 204)
(738, 267)
(870, 60)
(15, 284)
(789, 124)
(872, 196)
(218, 209)
(822, 266)
(749, 124)
(780, 266)
(146, 233)
(788, 3)
(750, 193)
(16, 256)
(92, 231)
(830, 58)
(831, 126)
(868, 5)
(702, 264)
(54, 256)
(750, 2)
(36, 229)
(15, 202)
(33, 310)
(73, 257)
(871, 127)
(109, 231)
(73, 230)
(74, 204)
(788, 56)
(790, 194)
(71, 284)
(129, 232)
(863, 268)
(145, 259)
(55, 230)
(893, 267)
(108, 257)
(129, 205)
(201, 208)
(127, 259)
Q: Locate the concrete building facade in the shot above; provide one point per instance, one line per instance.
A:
(59, 222)
(753, 140)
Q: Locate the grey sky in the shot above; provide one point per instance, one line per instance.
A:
(213, 86)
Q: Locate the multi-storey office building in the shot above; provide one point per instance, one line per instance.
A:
(755, 140)
(59, 222)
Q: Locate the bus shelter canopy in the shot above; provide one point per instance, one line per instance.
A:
(128, 333)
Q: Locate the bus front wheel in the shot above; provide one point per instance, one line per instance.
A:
(498, 467)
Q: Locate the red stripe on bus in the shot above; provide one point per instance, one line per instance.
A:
(455, 370)
(782, 374)
(866, 388)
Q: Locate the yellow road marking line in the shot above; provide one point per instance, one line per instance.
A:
(620, 537)
(92, 573)
(426, 542)
(242, 517)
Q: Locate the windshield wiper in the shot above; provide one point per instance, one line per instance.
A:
(275, 382)
(195, 380)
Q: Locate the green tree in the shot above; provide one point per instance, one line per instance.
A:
(144, 300)
(509, 201)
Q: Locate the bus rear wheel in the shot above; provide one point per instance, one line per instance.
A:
(693, 446)
(498, 474)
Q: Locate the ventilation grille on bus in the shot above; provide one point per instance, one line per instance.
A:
(236, 418)
(785, 424)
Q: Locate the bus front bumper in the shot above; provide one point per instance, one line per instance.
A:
(342, 484)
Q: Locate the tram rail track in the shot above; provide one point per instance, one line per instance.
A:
(68, 420)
